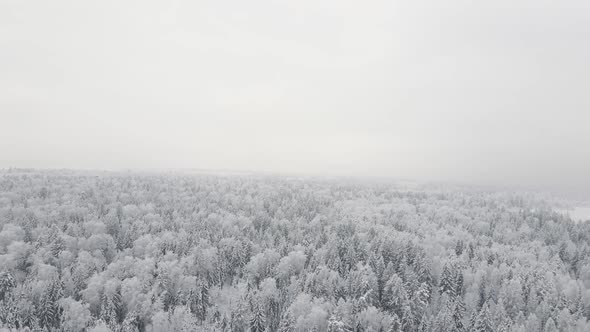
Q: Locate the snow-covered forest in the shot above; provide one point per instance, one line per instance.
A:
(131, 252)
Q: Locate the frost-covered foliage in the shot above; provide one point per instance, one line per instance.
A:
(125, 252)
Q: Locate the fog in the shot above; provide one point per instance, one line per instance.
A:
(489, 92)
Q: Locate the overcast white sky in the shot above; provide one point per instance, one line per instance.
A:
(473, 91)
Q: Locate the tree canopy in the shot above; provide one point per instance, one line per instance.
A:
(83, 251)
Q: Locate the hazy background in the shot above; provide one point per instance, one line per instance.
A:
(491, 92)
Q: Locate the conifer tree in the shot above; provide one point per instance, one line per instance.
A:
(258, 321)
(287, 323)
(6, 284)
(458, 313)
(483, 322)
(550, 326)
(395, 325)
(447, 280)
(48, 310)
(459, 248)
(336, 324)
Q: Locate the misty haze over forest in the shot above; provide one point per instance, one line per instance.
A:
(294, 166)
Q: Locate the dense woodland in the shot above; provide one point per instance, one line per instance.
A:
(131, 252)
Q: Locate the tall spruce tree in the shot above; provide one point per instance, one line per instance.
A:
(483, 322)
(258, 321)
